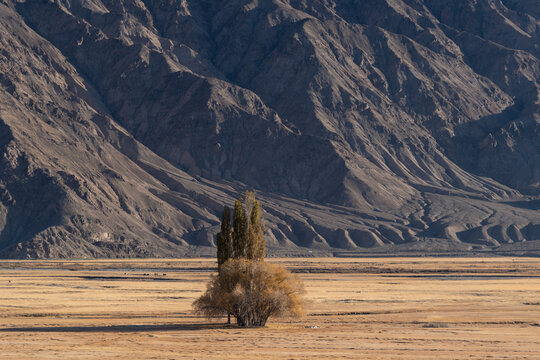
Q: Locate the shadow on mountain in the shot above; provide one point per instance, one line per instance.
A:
(33, 205)
(529, 205)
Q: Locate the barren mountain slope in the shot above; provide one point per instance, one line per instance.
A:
(386, 125)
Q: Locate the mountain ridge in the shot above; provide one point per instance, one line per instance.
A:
(355, 121)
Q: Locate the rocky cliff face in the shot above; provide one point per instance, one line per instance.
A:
(125, 125)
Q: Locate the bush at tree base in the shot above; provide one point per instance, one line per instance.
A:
(252, 291)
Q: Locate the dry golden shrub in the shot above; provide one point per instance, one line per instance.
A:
(252, 291)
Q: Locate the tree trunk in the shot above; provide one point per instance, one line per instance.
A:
(250, 321)
(240, 322)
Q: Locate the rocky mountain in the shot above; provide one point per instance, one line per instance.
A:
(363, 125)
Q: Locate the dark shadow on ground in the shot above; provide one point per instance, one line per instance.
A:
(120, 328)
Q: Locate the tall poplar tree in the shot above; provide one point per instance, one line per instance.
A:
(256, 226)
(240, 235)
(249, 201)
(246, 238)
(224, 238)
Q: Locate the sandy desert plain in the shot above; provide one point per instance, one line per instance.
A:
(407, 308)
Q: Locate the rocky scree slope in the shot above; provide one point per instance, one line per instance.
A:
(378, 125)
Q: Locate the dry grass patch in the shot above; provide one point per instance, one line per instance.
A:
(112, 310)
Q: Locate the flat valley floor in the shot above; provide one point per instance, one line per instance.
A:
(406, 308)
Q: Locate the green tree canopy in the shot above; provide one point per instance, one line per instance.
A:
(224, 238)
(239, 230)
(256, 244)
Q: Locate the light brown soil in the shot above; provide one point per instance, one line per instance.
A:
(416, 308)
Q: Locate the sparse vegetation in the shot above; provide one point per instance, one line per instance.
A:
(252, 291)
(245, 285)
